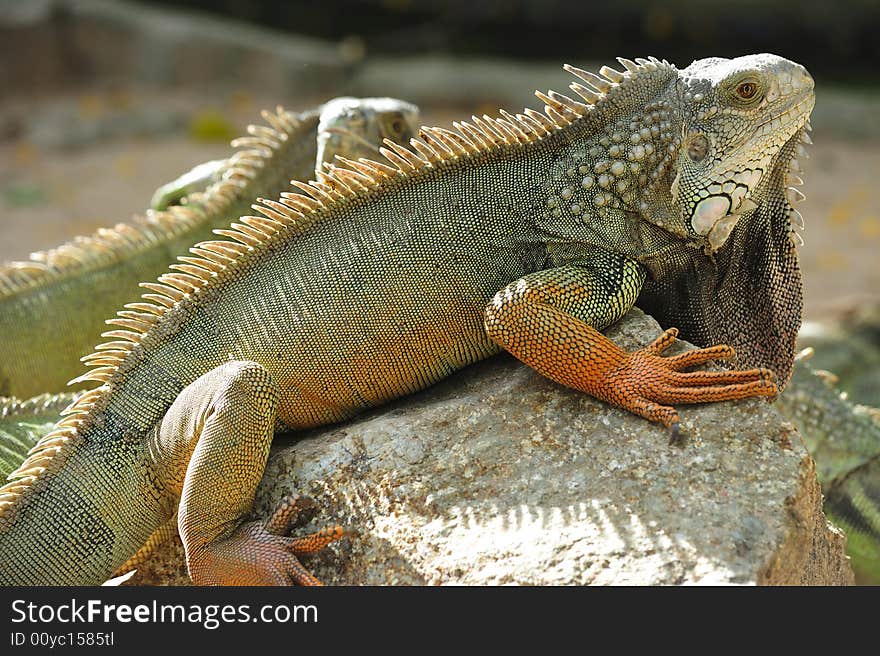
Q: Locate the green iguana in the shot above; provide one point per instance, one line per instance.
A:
(53, 305)
(844, 439)
(23, 422)
(528, 232)
(351, 127)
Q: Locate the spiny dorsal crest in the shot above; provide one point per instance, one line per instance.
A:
(109, 245)
(11, 406)
(793, 180)
(293, 212)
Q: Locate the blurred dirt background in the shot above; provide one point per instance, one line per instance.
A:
(103, 101)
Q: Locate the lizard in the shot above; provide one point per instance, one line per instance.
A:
(53, 305)
(844, 439)
(23, 422)
(527, 232)
(347, 126)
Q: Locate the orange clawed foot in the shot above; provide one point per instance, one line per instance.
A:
(261, 553)
(647, 383)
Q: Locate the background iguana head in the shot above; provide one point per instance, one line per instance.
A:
(736, 279)
(356, 127)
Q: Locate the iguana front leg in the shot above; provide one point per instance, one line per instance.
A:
(211, 449)
(551, 319)
(199, 178)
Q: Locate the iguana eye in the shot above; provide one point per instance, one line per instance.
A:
(747, 90)
(396, 126)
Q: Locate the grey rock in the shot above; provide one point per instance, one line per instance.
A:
(499, 476)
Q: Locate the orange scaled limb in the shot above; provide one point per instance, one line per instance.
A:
(268, 542)
(569, 351)
(647, 384)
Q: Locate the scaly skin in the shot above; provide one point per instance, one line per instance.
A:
(379, 280)
(845, 441)
(23, 422)
(53, 306)
(350, 127)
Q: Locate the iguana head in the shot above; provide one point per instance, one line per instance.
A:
(689, 172)
(355, 127)
(735, 277)
(735, 117)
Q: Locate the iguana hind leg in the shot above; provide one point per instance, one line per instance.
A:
(166, 532)
(212, 447)
(550, 321)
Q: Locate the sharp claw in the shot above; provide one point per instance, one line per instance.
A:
(663, 342)
(675, 434)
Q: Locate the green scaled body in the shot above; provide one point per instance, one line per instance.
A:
(24, 422)
(54, 306)
(376, 281)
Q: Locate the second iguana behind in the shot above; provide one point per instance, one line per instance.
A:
(54, 305)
